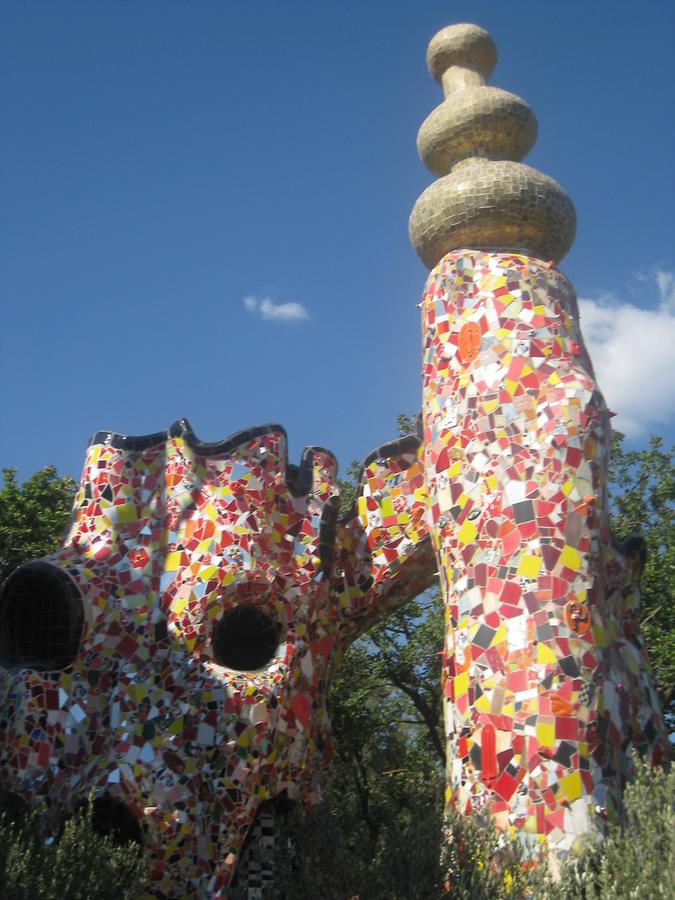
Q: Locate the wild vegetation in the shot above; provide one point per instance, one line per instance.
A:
(80, 865)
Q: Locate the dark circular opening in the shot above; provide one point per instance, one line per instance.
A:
(245, 638)
(41, 619)
(14, 807)
(112, 817)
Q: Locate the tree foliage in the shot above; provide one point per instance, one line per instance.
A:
(642, 501)
(33, 516)
(377, 832)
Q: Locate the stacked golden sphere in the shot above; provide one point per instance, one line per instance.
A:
(484, 197)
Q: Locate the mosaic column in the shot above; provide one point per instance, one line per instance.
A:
(546, 682)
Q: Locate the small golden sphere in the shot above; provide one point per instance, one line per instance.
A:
(469, 46)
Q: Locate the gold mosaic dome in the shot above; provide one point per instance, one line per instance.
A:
(484, 197)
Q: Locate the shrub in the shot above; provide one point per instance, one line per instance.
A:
(638, 860)
(80, 865)
(329, 855)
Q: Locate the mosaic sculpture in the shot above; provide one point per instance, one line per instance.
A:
(546, 683)
(172, 661)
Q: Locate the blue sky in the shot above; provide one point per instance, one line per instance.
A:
(205, 210)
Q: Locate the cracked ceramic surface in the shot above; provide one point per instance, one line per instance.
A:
(206, 591)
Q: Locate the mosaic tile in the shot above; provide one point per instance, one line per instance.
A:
(546, 681)
(547, 685)
(484, 198)
(214, 590)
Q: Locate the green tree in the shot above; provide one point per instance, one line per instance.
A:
(33, 516)
(377, 833)
(642, 501)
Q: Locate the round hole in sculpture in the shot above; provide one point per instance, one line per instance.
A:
(41, 619)
(112, 817)
(14, 808)
(245, 638)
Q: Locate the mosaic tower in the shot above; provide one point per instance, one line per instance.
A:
(546, 683)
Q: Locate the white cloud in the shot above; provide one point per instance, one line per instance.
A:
(265, 308)
(633, 353)
(665, 281)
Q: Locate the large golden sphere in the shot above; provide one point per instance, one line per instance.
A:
(493, 205)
